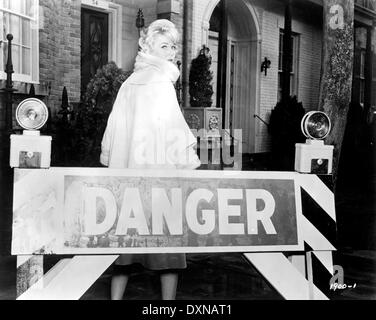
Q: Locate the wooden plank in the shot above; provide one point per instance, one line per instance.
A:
(64, 219)
(319, 192)
(29, 272)
(73, 280)
(283, 276)
(53, 272)
(44, 280)
(326, 258)
(314, 238)
(299, 262)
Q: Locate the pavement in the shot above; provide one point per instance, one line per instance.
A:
(215, 277)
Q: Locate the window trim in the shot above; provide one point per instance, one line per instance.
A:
(294, 91)
(34, 47)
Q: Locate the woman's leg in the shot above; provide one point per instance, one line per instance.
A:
(118, 285)
(169, 283)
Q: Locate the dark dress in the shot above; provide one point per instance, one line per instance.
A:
(158, 261)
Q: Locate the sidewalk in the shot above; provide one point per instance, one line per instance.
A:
(216, 276)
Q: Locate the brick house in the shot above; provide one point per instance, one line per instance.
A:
(60, 43)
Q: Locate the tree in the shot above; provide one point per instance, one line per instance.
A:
(200, 80)
(337, 69)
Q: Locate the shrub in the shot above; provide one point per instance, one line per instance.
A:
(284, 128)
(200, 80)
(82, 137)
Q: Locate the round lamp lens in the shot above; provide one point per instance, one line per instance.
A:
(316, 125)
(31, 114)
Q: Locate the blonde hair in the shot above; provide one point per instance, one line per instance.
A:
(161, 26)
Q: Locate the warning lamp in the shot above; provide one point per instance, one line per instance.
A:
(314, 156)
(30, 149)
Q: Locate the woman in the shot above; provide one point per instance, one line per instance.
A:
(146, 130)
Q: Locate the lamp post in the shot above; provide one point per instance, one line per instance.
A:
(9, 90)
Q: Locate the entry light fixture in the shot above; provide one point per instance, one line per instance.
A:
(140, 21)
(265, 65)
(314, 156)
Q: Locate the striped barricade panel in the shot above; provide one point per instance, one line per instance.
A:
(319, 229)
(306, 275)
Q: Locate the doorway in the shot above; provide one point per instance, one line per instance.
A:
(233, 39)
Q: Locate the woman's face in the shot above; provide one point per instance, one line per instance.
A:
(163, 48)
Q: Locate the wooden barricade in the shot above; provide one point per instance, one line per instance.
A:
(283, 222)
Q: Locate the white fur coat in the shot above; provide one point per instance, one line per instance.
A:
(146, 128)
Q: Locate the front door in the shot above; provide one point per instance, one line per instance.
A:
(238, 112)
(94, 44)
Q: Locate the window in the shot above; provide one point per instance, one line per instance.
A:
(294, 71)
(21, 19)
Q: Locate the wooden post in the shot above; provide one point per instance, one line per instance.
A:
(29, 271)
(9, 90)
(337, 69)
(9, 86)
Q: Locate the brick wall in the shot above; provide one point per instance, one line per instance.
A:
(130, 34)
(269, 83)
(177, 18)
(200, 7)
(60, 50)
(309, 31)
